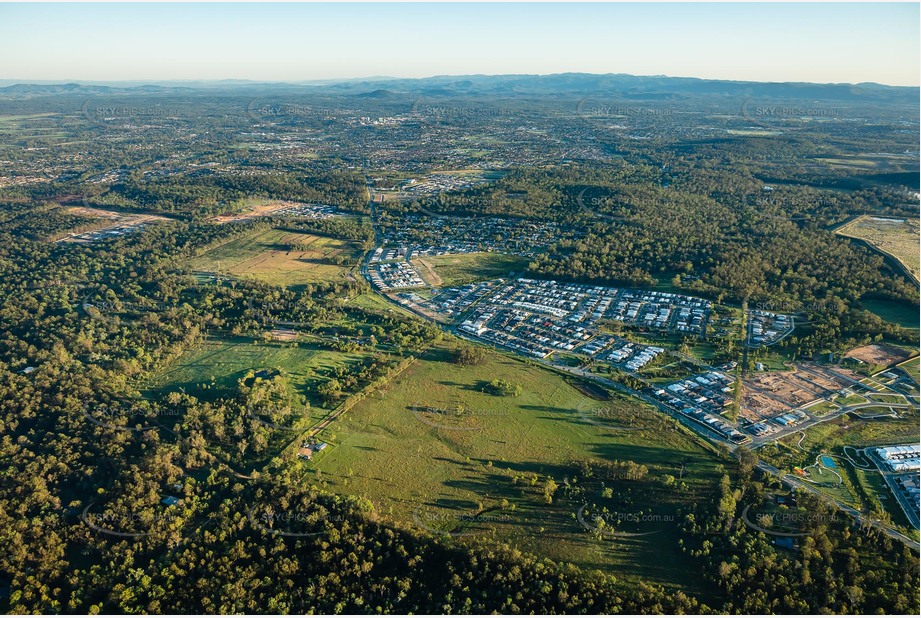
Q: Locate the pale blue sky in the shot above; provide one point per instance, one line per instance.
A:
(761, 42)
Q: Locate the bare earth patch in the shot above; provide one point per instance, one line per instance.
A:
(770, 393)
(428, 273)
(284, 334)
(262, 210)
(878, 354)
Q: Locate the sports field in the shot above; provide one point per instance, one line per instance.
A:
(434, 451)
(898, 312)
(282, 258)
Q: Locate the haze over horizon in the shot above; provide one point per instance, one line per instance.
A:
(385, 79)
(819, 43)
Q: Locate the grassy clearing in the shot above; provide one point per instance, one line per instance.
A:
(435, 451)
(898, 238)
(213, 369)
(850, 400)
(14, 118)
(705, 351)
(270, 256)
(848, 162)
(886, 398)
(878, 491)
(465, 268)
(901, 313)
(822, 408)
(370, 300)
(375, 302)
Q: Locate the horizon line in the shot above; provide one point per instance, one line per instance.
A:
(330, 81)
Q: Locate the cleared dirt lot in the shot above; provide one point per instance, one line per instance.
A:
(775, 392)
(284, 334)
(122, 218)
(260, 210)
(878, 354)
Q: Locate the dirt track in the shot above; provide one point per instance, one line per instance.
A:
(430, 275)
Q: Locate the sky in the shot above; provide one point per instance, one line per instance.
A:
(823, 42)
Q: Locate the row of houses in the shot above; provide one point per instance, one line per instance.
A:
(477, 326)
(767, 328)
(631, 356)
(539, 317)
(396, 275)
(441, 183)
(454, 301)
(711, 392)
(678, 399)
(587, 305)
(106, 234)
(382, 254)
(908, 484)
(307, 211)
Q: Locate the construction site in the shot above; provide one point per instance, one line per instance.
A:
(771, 393)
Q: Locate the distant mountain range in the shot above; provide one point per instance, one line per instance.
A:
(563, 84)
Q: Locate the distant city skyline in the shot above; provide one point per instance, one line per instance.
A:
(814, 42)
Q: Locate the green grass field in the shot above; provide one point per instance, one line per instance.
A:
(886, 398)
(901, 313)
(426, 462)
(459, 269)
(821, 476)
(822, 408)
(913, 368)
(850, 400)
(848, 162)
(213, 369)
(873, 484)
(266, 256)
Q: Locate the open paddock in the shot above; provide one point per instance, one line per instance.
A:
(435, 451)
(282, 258)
